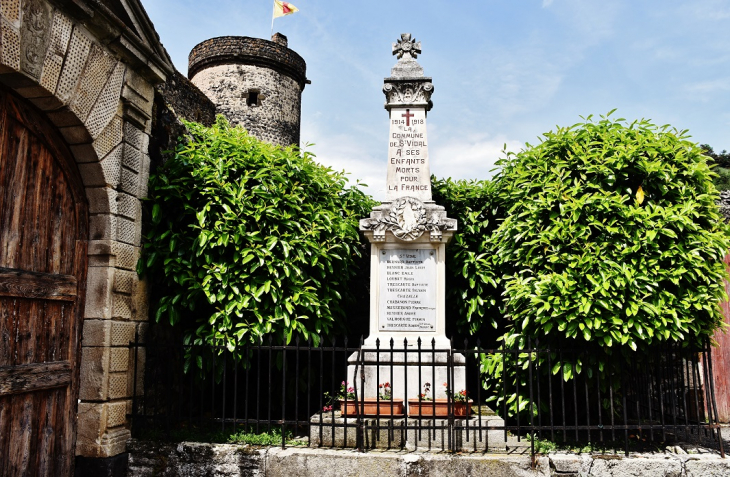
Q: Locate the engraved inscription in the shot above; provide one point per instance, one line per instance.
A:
(408, 168)
(407, 290)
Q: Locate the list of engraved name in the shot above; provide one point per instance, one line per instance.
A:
(407, 290)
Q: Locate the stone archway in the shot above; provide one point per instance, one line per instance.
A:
(91, 77)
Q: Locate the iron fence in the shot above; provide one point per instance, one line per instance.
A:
(560, 394)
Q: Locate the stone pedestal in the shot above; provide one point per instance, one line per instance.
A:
(407, 273)
(407, 372)
(407, 283)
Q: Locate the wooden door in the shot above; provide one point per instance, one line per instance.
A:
(43, 227)
(721, 360)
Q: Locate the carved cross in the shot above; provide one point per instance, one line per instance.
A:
(408, 116)
(407, 47)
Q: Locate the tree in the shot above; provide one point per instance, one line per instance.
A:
(248, 239)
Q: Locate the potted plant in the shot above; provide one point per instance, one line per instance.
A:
(383, 405)
(426, 406)
(346, 393)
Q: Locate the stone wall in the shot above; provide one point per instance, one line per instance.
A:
(194, 459)
(253, 82)
(185, 100)
(176, 98)
(93, 76)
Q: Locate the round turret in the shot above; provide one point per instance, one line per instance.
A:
(253, 82)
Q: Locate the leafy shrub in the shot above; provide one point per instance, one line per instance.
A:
(612, 237)
(472, 290)
(249, 239)
(612, 242)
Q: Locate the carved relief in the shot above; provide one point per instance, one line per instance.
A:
(408, 219)
(406, 48)
(408, 93)
(34, 31)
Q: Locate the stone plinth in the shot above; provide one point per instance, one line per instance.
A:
(412, 434)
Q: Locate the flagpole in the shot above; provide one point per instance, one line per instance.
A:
(273, 13)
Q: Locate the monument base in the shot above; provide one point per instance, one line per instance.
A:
(464, 435)
(407, 373)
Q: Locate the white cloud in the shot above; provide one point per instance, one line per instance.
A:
(546, 3)
(707, 90)
(352, 154)
(471, 157)
(708, 10)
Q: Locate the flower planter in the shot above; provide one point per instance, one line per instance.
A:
(438, 408)
(372, 407)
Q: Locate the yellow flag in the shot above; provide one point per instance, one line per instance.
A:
(283, 8)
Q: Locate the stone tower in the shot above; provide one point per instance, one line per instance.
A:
(253, 82)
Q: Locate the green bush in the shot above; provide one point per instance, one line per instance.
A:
(612, 237)
(472, 291)
(611, 242)
(248, 239)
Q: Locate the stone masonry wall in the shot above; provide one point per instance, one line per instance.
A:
(253, 82)
(247, 50)
(194, 459)
(176, 98)
(185, 100)
(275, 117)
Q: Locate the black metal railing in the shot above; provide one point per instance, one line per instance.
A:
(635, 399)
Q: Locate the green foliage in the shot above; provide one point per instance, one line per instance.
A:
(214, 435)
(612, 237)
(611, 243)
(722, 162)
(249, 239)
(722, 181)
(271, 438)
(637, 443)
(472, 290)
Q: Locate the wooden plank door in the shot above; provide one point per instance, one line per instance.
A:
(43, 227)
(721, 360)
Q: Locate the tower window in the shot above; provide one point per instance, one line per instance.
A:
(253, 98)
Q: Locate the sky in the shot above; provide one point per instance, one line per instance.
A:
(504, 72)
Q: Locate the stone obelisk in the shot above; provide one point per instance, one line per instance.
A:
(408, 234)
